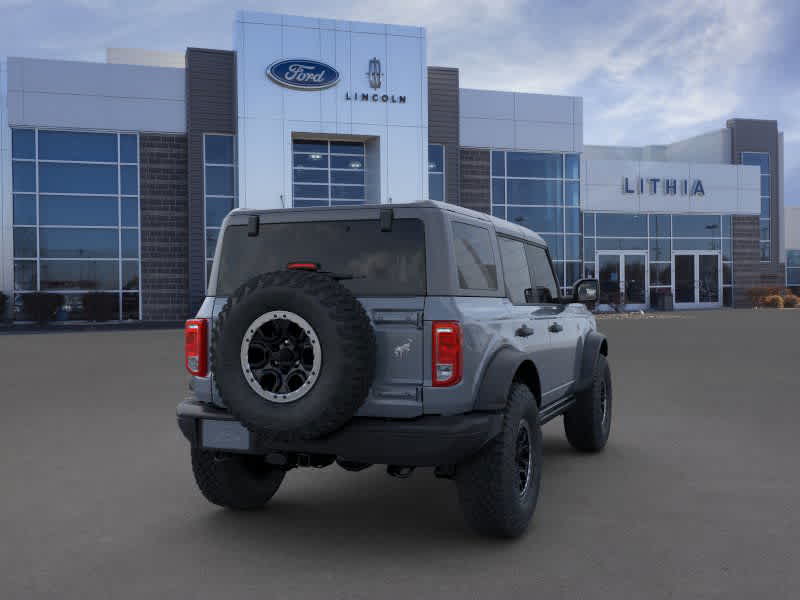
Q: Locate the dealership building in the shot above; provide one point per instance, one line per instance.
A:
(115, 176)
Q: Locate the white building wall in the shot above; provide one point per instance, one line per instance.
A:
(81, 95)
(269, 114)
(147, 58)
(713, 147)
(519, 121)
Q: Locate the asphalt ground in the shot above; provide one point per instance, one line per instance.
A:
(696, 496)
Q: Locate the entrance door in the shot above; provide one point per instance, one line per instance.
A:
(697, 279)
(623, 279)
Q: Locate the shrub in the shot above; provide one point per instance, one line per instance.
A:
(41, 306)
(773, 301)
(790, 301)
(99, 306)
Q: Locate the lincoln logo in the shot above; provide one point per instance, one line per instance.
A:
(374, 74)
(669, 187)
(301, 74)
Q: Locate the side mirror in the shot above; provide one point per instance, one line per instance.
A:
(586, 291)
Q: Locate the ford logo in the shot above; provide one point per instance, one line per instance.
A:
(303, 74)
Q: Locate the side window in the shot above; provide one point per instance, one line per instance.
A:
(515, 270)
(545, 288)
(474, 257)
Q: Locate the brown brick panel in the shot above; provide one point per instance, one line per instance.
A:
(443, 124)
(475, 181)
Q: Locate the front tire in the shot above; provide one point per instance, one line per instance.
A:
(237, 481)
(588, 423)
(498, 488)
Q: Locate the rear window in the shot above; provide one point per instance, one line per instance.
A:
(474, 258)
(381, 263)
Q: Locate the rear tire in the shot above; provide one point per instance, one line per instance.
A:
(497, 493)
(588, 423)
(237, 481)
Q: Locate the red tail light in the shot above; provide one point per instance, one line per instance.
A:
(303, 266)
(195, 336)
(446, 353)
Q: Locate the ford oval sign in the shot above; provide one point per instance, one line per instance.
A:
(303, 74)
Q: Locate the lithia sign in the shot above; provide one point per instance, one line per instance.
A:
(306, 74)
(667, 186)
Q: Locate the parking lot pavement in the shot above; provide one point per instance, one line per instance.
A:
(696, 495)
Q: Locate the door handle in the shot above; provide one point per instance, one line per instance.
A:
(555, 327)
(524, 331)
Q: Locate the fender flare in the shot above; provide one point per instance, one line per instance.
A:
(594, 345)
(499, 374)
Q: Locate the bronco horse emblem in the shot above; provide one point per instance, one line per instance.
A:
(403, 349)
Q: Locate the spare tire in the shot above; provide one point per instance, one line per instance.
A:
(293, 354)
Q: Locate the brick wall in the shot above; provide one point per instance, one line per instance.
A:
(748, 271)
(165, 227)
(443, 125)
(475, 180)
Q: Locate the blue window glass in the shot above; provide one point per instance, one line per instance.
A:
(696, 244)
(793, 277)
(555, 244)
(765, 185)
(77, 210)
(347, 148)
(498, 163)
(219, 181)
(727, 226)
(765, 208)
(435, 158)
(793, 258)
(347, 162)
(23, 143)
(219, 149)
(24, 209)
(588, 224)
(216, 210)
(766, 251)
(588, 248)
(660, 226)
(77, 179)
(305, 203)
(499, 212)
(623, 225)
(311, 175)
(129, 180)
(621, 244)
(572, 273)
(498, 191)
(128, 149)
(312, 161)
(79, 146)
(347, 192)
(727, 274)
(24, 242)
(78, 243)
(763, 229)
(79, 275)
(572, 220)
(310, 191)
(573, 166)
(759, 159)
(25, 275)
(357, 177)
(130, 275)
(130, 243)
(346, 202)
(572, 191)
(435, 185)
(544, 219)
(696, 226)
(572, 247)
(588, 270)
(211, 242)
(530, 164)
(558, 269)
(661, 274)
(660, 249)
(727, 249)
(23, 176)
(526, 191)
(310, 146)
(130, 212)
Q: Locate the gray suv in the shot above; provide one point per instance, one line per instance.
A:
(411, 335)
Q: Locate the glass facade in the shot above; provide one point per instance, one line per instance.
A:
(761, 160)
(436, 172)
(76, 219)
(219, 167)
(327, 173)
(542, 191)
(793, 268)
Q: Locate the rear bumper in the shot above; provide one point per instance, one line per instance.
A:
(424, 441)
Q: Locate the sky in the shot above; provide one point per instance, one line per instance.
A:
(649, 72)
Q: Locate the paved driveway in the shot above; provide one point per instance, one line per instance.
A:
(697, 494)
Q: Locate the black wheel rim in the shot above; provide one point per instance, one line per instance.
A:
(524, 457)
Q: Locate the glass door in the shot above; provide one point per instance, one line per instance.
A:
(697, 279)
(623, 279)
(683, 270)
(610, 278)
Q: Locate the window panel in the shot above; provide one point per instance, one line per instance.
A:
(793, 258)
(24, 209)
(56, 242)
(23, 176)
(498, 163)
(660, 226)
(219, 149)
(660, 274)
(77, 210)
(219, 181)
(572, 220)
(130, 275)
(310, 191)
(573, 166)
(622, 225)
(765, 185)
(572, 247)
(130, 243)
(498, 191)
(572, 191)
(660, 249)
(515, 269)
(499, 212)
(588, 224)
(311, 175)
(477, 269)
(77, 179)
(759, 159)
(310, 146)
(727, 273)
(25, 275)
(793, 277)
(129, 183)
(555, 244)
(696, 225)
(539, 219)
(695, 244)
(347, 162)
(314, 161)
(216, 210)
(522, 191)
(435, 158)
(347, 192)
(621, 243)
(130, 212)
(130, 307)
(23, 143)
(727, 226)
(435, 186)
(347, 148)
(765, 208)
(211, 242)
(305, 203)
(530, 164)
(572, 273)
(588, 270)
(588, 249)
(78, 146)
(357, 177)
(766, 251)
(727, 297)
(763, 229)
(128, 148)
(79, 275)
(24, 242)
